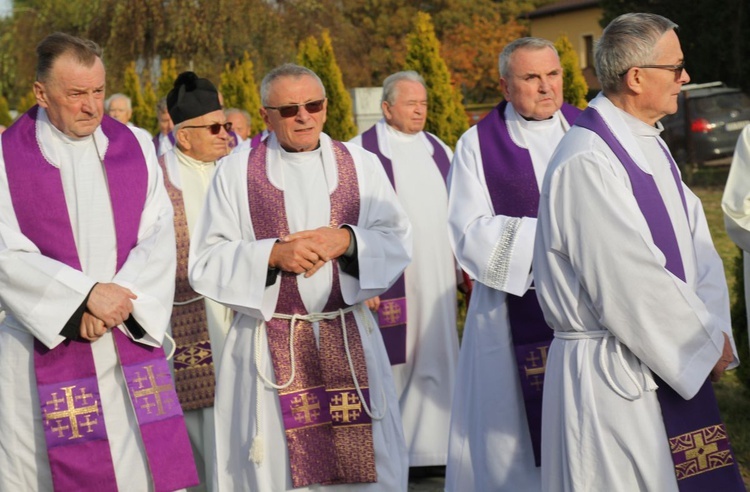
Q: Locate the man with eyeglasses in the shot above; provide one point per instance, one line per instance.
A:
(493, 194)
(417, 316)
(296, 233)
(628, 278)
(87, 258)
(199, 325)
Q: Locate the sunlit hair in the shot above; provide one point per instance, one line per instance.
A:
(389, 84)
(117, 96)
(285, 70)
(57, 44)
(628, 41)
(521, 43)
(161, 106)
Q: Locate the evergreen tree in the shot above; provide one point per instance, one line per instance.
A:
(150, 122)
(446, 116)
(132, 89)
(240, 91)
(574, 85)
(321, 60)
(167, 77)
(26, 102)
(5, 118)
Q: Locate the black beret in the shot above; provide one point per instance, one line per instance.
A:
(191, 97)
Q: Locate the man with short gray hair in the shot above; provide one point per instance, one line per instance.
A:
(120, 107)
(493, 195)
(629, 280)
(417, 315)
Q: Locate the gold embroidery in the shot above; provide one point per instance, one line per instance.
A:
(698, 452)
(72, 412)
(152, 390)
(305, 408)
(193, 355)
(391, 311)
(345, 407)
(535, 370)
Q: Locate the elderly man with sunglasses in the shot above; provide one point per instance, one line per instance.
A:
(628, 278)
(199, 325)
(296, 233)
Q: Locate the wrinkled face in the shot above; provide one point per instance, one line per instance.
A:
(118, 109)
(73, 96)
(534, 85)
(199, 143)
(659, 87)
(299, 133)
(239, 125)
(165, 122)
(408, 113)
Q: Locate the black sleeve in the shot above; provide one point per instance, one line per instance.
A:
(72, 328)
(271, 276)
(349, 262)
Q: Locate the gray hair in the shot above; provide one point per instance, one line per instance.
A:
(527, 43)
(114, 97)
(231, 111)
(628, 41)
(161, 106)
(390, 83)
(58, 44)
(285, 70)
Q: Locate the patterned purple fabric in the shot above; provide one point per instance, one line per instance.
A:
(68, 370)
(511, 182)
(701, 451)
(392, 310)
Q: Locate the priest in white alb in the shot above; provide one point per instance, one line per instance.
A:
(87, 261)
(628, 278)
(493, 196)
(417, 315)
(296, 233)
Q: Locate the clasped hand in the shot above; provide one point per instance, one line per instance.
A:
(108, 305)
(307, 251)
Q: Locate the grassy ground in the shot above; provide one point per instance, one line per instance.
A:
(734, 398)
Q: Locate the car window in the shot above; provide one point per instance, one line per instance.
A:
(720, 103)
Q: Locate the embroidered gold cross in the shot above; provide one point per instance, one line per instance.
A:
(71, 412)
(535, 370)
(345, 407)
(391, 311)
(305, 408)
(701, 451)
(152, 390)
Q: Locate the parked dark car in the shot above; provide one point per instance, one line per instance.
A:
(707, 123)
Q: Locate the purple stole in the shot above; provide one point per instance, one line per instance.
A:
(328, 433)
(511, 182)
(194, 376)
(392, 310)
(257, 139)
(702, 455)
(71, 408)
(157, 143)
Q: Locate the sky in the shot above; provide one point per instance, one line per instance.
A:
(5, 7)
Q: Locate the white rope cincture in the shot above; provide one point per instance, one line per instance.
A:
(605, 335)
(171, 342)
(189, 301)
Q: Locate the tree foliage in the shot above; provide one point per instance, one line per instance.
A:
(5, 118)
(132, 88)
(240, 91)
(150, 122)
(446, 117)
(167, 76)
(574, 85)
(320, 59)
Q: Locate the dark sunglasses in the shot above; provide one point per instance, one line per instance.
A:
(291, 110)
(214, 128)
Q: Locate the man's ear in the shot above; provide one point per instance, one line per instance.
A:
(41, 94)
(181, 137)
(633, 80)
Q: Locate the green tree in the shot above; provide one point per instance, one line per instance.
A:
(26, 102)
(574, 85)
(446, 117)
(321, 60)
(240, 91)
(5, 118)
(149, 105)
(167, 77)
(132, 89)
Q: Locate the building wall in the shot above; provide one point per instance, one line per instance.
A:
(577, 26)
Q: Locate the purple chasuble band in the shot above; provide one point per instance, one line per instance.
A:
(698, 440)
(392, 310)
(329, 436)
(66, 376)
(511, 182)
